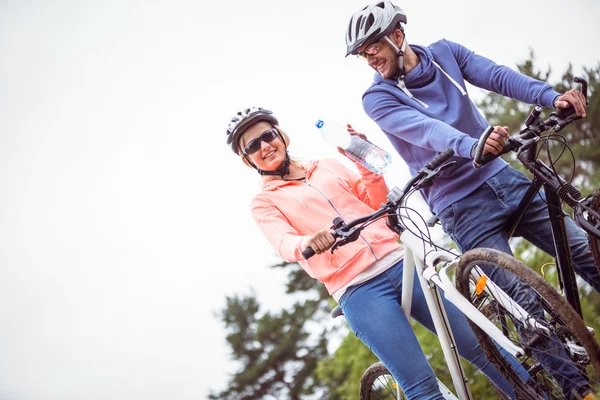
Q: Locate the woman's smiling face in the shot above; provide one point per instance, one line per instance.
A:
(270, 154)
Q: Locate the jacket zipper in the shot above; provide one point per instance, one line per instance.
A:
(340, 215)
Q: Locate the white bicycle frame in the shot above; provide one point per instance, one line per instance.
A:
(431, 281)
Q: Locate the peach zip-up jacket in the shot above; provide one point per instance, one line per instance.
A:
(289, 212)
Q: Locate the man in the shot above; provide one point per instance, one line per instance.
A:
(418, 98)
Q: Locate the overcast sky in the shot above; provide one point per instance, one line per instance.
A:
(124, 218)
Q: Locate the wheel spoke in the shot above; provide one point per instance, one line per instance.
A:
(539, 344)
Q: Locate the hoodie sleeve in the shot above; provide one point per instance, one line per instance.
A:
(414, 127)
(368, 186)
(277, 229)
(486, 74)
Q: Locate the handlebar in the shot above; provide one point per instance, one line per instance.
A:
(534, 127)
(346, 232)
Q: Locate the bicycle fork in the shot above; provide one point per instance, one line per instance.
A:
(438, 315)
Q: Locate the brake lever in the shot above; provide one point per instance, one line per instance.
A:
(336, 245)
(346, 237)
(428, 179)
(558, 122)
(445, 166)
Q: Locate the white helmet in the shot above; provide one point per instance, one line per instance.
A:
(372, 23)
(245, 119)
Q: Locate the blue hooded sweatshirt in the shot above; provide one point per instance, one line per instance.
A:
(442, 116)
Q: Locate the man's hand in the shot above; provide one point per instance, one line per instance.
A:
(572, 98)
(320, 241)
(496, 140)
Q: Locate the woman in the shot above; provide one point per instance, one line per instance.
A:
(295, 209)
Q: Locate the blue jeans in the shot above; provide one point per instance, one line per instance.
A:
(373, 312)
(479, 220)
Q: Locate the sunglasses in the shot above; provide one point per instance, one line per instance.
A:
(254, 145)
(371, 50)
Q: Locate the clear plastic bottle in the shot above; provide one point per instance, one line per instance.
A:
(364, 152)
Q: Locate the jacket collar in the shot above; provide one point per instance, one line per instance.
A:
(273, 182)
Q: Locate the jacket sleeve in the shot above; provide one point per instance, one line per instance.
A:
(412, 126)
(277, 229)
(369, 187)
(486, 74)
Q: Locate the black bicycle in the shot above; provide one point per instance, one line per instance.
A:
(558, 191)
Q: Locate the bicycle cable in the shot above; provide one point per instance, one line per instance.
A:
(425, 236)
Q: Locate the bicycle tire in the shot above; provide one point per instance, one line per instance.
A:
(566, 323)
(378, 374)
(594, 241)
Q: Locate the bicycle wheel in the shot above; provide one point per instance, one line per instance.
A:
(561, 321)
(377, 383)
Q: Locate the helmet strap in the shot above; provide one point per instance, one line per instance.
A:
(282, 170)
(400, 51)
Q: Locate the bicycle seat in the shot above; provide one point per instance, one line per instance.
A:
(336, 312)
(431, 221)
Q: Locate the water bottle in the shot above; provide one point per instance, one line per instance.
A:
(357, 148)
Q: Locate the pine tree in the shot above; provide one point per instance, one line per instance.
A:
(277, 352)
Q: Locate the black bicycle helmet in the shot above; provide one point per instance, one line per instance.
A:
(372, 23)
(245, 119)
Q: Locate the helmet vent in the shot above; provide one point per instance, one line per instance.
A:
(357, 26)
(369, 22)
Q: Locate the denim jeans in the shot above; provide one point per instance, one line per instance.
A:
(372, 310)
(479, 220)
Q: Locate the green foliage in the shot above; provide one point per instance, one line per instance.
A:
(342, 371)
(278, 353)
(479, 384)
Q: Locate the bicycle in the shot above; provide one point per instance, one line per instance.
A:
(433, 264)
(557, 189)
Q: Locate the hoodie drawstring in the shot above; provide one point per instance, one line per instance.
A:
(403, 87)
(451, 80)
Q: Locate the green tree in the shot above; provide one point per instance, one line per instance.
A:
(277, 352)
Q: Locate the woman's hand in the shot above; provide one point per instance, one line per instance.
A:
(320, 241)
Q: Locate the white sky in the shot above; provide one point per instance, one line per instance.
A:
(124, 217)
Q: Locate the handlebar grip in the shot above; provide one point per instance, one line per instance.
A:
(308, 253)
(487, 158)
(478, 160)
(439, 159)
(567, 112)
